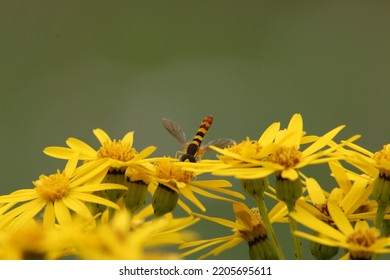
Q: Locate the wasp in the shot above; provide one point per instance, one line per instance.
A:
(194, 149)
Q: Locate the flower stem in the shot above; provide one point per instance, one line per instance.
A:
(297, 241)
(268, 226)
(379, 216)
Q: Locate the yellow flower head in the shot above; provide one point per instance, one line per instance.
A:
(276, 151)
(170, 174)
(120, 153)
(248, 227)
(31, 242)
(59, 194)
(361, 241)
(127, 237)
(382, 160)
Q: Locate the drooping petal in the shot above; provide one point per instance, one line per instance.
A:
(317, 239)
(26, 195)
(34, 208)
(191, 197)
(339, 218)
(98, 187)
(340, 176)
(62, 213)
(290, 174)
(77, 206)
(315, 191)
(94, 199)
(49, 217)
(313, 223)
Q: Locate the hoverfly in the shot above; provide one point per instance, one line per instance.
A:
(194, 149)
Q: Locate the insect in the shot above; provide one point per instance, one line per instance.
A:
(194, 149)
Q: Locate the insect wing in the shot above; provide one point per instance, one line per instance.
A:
(219, 143)
(175, 130)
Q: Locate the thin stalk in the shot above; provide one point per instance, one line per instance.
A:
(268, 226)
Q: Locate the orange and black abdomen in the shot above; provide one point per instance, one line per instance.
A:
(194, 146)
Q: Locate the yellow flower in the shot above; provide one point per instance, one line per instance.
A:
(276, 151)
(362, 241)
(59, 194)
(351, 196)
(248, 228)
(377, 166)
(173, 180)
(120, 153)
(128, 237)
(32, 241)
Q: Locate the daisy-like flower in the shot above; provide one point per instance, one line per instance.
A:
(377, 166)
(248, 228)
(120, 153)
(352, 202)
(277, 151)
(174, 181)
(59, 194)
(361, 241)
(126, 237)
(32, 242)
(124, 162)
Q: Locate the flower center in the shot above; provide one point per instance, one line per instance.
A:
(286, 156)
(246, 149)
(383, 155)
(117, 150)
(258, 231)
(167, 170)
(52, 187)
(362, 238)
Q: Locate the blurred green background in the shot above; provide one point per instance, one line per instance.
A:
(67, 67)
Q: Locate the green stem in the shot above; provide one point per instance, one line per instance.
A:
(268, 226)
(380, 213)
(297, 241)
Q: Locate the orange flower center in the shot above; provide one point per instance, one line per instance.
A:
(286, 156)
(52, 187)
(362, 238)
(117, 150)
(383, 156)
(167, 170)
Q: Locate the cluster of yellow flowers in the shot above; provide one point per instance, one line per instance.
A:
(118, 203)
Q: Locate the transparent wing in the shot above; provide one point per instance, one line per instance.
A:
(220, 143)
(175, 130)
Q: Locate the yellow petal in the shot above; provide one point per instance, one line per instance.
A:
(94, 199)
(62, 213)
(102, 136)
(322, 141)
(290, 174)
(339, 218)
(315, 191)
(340, 176)
(59, 152)
(315, 224)
(86, 152)
(295, 125)
(77, 206)
(269, 134)
(128, 138)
